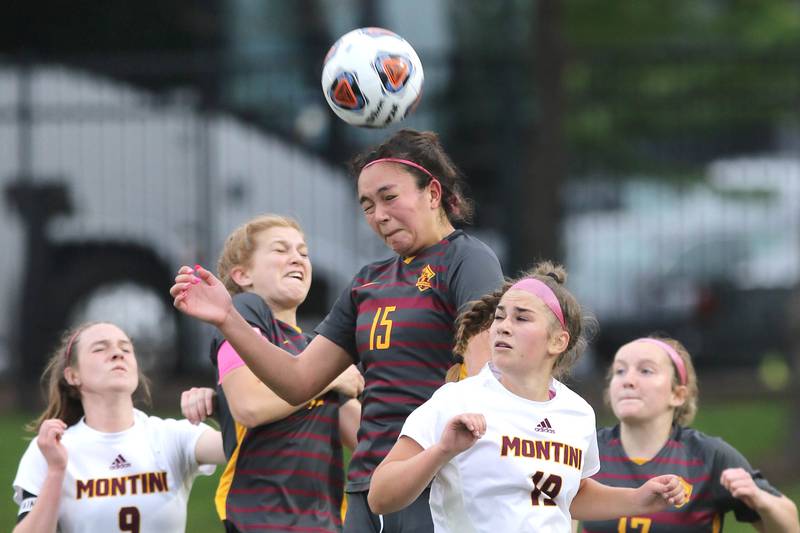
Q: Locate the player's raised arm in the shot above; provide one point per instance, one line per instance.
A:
(200, 294)
(42, 516)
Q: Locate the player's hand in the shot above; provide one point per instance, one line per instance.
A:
(461, 432)
(197, 404)
(740, 484)
(49, 442)
(660, 492)
(349, 383)
(198, 293)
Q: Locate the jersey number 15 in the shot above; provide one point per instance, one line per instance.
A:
(380, 339)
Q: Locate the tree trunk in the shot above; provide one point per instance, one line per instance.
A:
(539, 204)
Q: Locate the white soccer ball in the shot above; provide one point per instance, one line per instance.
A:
(372, 77)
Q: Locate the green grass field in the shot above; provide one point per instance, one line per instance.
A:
(734, 422)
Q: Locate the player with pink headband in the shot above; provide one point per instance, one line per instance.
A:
(513, 448)
(653, 392)
(395, 318)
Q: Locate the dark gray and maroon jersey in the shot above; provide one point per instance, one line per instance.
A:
(286, 475)
(396, 320)
(699, 459)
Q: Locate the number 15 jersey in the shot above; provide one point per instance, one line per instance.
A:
(396, 320)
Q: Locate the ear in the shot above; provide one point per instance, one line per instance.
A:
(72, 377)
(435, 193)
(241, 276)
(679, 395)
(557, 342)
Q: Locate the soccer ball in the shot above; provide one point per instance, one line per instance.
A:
(372, 77)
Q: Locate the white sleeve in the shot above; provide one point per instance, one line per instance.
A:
(591, 459)
(31, 473)
(426, 423)
(180, 440)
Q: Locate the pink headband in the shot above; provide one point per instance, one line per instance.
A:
(676, 359)
(68, 351)
(543, 292)
(405, 162)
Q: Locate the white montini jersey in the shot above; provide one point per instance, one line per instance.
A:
(136, 480)
(523, 473)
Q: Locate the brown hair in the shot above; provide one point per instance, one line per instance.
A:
(425, 149)
(683, 414)
(63, 399)
(241, 244)
(478, 317)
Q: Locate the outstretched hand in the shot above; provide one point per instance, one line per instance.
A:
(49, 442)
(661, 492)
(198, 293)
(461, 432)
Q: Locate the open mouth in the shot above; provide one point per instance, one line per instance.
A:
(296, 274)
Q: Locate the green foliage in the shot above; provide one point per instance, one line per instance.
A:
(667, 85)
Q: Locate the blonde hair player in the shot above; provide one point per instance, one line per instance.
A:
(653, 392)
(97, 463)
(284, 469)
(512, 449)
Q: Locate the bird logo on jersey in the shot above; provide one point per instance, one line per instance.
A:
(425, 277)
(687, 491)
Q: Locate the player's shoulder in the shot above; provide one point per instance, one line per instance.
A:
(366, 272)
(608, 435)
(252, 307)
(153, 424)
(703, 444)
(569, 399)
(462, 244)
(31, 450)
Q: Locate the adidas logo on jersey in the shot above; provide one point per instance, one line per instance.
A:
(119, 462)
(544, 426)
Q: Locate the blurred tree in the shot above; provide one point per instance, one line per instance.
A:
(665, 85)
(502, 112)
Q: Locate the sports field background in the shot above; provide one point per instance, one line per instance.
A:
(756, 428)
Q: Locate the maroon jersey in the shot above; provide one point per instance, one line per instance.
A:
(286, 475)
(699, 460)
(396, 320)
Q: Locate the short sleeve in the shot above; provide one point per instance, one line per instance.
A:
(591, 459)
(426, 423)
(31, 473)
(180, 439)
(475, 272)
(340, 324)
(257, 313)
(726, 456)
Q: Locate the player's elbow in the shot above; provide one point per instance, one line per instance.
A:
(377, 501)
